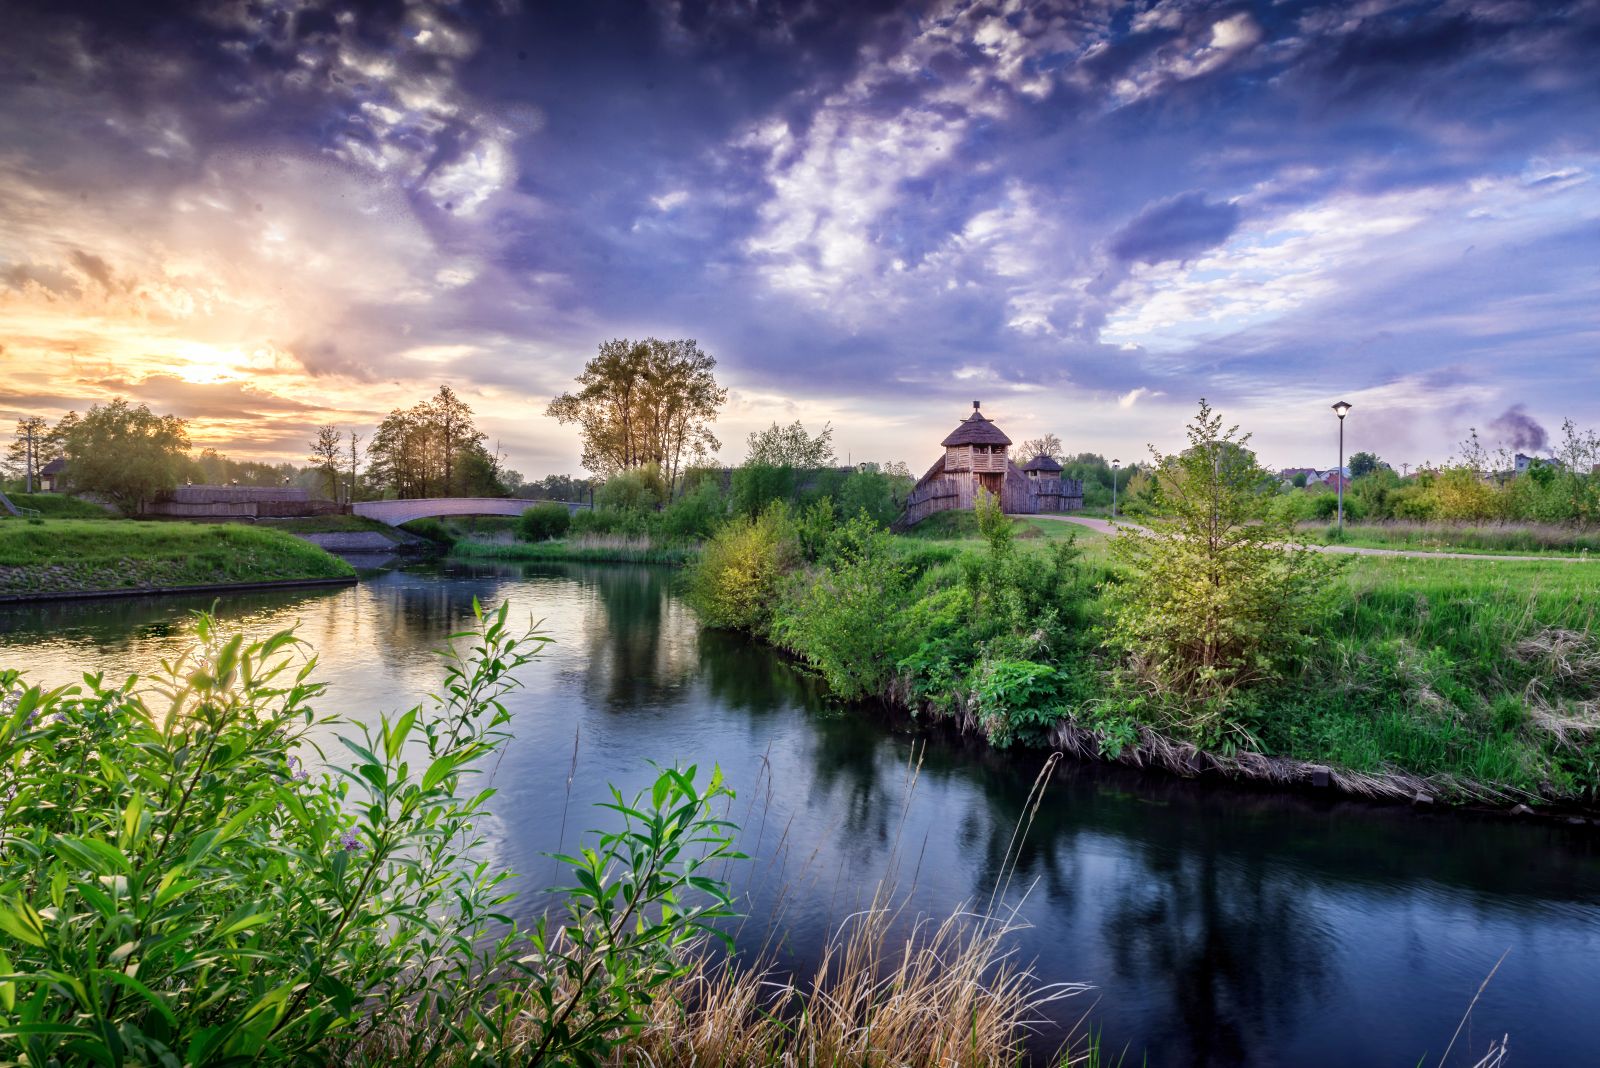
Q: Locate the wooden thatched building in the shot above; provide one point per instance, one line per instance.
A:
(977, 456)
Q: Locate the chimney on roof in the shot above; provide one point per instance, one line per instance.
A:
(974, 405)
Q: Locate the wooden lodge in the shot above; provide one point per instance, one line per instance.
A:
(977, 456)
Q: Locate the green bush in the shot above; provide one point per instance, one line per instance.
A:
(869, 493)
(544, 521)
(741, 571)
(640, 490)
(432, 529)
(1014, 698)
(695, 515)
(757, 486)
(177, 887)
(847, 620)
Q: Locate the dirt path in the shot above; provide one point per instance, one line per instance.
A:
(1105, 526)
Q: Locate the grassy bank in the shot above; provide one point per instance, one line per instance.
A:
(1464, 680)
(1516, 539)
(584, 548)
(79, 556)
(59, 506)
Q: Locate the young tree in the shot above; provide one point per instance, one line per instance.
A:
(127, 454)
(1219, 594)
(644, 402)
(325, 455)
(791, 446)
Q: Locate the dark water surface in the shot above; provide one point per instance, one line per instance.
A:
(1219, 926)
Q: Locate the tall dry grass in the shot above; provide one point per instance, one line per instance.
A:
(949, 993)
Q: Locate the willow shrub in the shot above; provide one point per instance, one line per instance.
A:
(177, 887)
(735, 585)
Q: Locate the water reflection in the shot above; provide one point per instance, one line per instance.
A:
(1221, 925)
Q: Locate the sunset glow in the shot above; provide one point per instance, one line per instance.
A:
(268, 217)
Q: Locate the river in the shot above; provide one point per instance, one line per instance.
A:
(1218, 925)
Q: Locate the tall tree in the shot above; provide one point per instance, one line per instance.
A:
(644, 402)
(791, 446)
(127, 454)
(23, 455)
(1364, 463)
(430, 450)
(355, 444)
(326, 450)
(1047, 445)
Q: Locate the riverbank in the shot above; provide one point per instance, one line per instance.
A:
(52, 558)
(583, 548)
(1432, 681)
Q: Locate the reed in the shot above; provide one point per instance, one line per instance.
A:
(584, 548)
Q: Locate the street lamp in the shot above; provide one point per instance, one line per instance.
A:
(1341, 409)
(1114, 488)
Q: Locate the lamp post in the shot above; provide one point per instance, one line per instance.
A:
(1341, 409)
(1114, 488)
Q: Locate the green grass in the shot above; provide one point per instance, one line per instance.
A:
(1452, 667)
(79, 555)
(1448, 668)
(59, 506)
(1515, 539)
(329, 524)
(593, 549)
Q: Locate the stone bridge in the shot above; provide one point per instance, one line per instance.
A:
(404, 511)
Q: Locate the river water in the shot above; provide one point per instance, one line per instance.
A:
(1218, 925)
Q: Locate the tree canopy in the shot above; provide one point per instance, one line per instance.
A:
(127, 454)
(644, 402)
(791, 446)
(1364, 463)
(432, 450)
(1046, 445)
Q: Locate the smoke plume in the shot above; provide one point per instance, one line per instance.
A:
(1520, 431)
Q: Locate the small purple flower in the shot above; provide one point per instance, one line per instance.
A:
(59, 717)
(350, 843)
(31, 717)
(297, 770)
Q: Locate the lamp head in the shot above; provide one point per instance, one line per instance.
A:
(1342, 409)
(1114, 463)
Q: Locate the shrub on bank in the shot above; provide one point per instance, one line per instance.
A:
(544, 521)
(177, 885)
(741, 571)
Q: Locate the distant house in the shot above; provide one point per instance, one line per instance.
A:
(52, 476)
(1333, 481)
(1289, 474)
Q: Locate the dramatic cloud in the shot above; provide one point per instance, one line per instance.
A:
(269, 215)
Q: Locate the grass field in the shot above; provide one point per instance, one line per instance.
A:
(59, 506)
(1485, 673)
(588, 548)
(1514, 539)
(81, 555)
(328, 524)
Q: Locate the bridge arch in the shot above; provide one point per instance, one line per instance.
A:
(397, 512)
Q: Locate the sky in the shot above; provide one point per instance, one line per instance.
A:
(266, 215)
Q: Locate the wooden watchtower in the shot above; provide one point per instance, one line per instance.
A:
(977, 456)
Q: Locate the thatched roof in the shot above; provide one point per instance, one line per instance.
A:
(976, 430)
(1041, 463)
(54, 467)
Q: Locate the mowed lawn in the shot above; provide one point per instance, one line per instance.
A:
(80, 555)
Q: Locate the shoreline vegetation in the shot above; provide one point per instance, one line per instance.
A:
(343, 915)
(47, 558)
(214, 784)
(1205, 646)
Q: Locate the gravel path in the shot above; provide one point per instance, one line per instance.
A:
(1105, 526)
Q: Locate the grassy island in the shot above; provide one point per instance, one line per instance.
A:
(49, 557)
